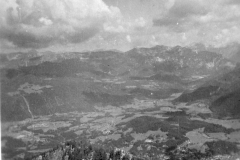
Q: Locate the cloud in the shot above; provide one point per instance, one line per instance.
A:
(129, 38)
(123, 25)
(180, 12)
(186, 8)
(41, 23)
(140, 23)
(115, 26)
(233, 2)
(45, 21)
(190, 21)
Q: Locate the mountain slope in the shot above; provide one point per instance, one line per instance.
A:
(75, 81)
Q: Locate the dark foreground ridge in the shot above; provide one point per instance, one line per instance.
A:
(73, 150)
(83, 150)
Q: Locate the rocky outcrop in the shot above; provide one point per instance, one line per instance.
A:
(73, 150)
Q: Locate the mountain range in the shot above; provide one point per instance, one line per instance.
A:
(172, 92)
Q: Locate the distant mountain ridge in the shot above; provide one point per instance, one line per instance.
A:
(176, 66)
(230, 51)
(153, 51)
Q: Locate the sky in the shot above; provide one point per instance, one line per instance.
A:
(79, 25)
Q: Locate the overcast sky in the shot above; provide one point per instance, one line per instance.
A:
(76, 25)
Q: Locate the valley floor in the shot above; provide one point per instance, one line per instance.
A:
(146, 128)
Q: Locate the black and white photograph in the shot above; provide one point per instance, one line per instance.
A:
(120, 79)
